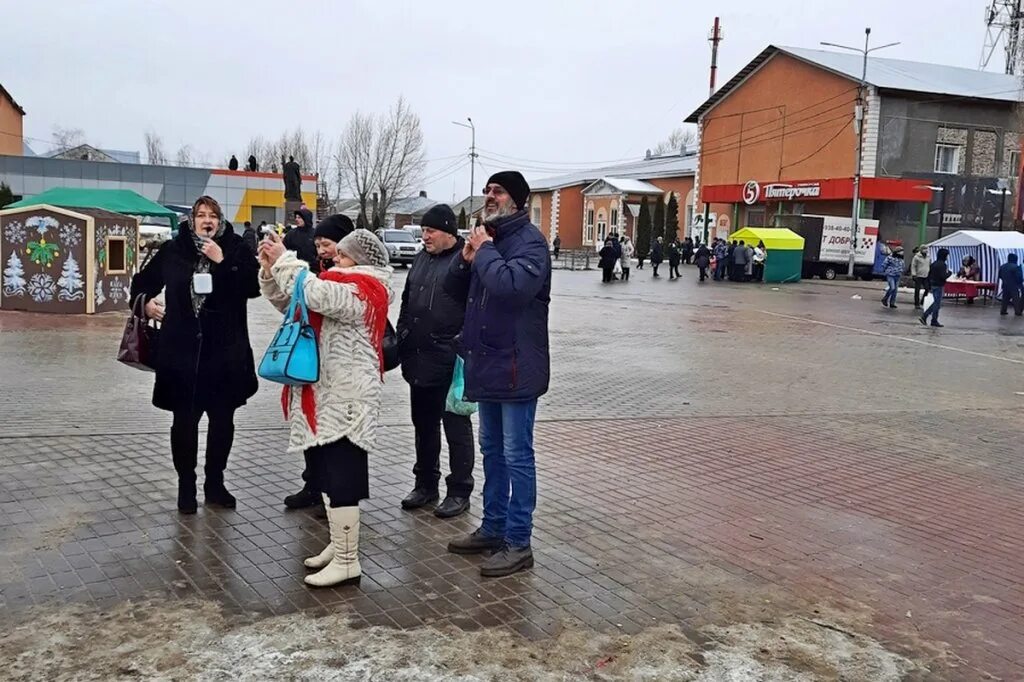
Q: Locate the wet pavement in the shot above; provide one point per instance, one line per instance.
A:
(719, 465)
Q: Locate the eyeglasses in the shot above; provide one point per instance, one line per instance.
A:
(496, 190)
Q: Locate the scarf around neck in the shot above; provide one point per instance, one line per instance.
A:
(203, 264)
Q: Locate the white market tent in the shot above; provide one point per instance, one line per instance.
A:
(990, 249)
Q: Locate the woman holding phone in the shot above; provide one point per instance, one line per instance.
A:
(204, 361)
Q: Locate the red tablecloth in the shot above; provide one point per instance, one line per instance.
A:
(967, 288)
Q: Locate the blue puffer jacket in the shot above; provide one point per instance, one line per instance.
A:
(507, 290)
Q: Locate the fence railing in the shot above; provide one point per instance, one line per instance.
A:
(574, 259)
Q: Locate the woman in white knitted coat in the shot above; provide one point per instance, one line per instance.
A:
(334, 421)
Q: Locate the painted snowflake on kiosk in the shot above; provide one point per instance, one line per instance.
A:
(41, 288)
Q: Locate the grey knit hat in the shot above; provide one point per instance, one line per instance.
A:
(364, 248)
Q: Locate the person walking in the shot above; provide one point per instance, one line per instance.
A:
(300, 239)
(721, 252)
(919, 267)
(327, 236)
(687, 250)
(1011, 281)
(938, 273)
(626, 261)
(674, 256)
(334, 421)
(607, 260)
(702, 259)
(204, 362)
(428, 324)
(893, 268)
(657, 255)
(557, 244)
(504, 275)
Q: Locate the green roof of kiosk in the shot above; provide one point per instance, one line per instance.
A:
(123, 201)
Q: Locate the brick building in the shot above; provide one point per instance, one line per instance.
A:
(583, 207)
(780, 138)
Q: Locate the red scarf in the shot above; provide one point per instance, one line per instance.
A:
(370, 291)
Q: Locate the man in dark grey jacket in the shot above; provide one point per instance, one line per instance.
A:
(427, 326)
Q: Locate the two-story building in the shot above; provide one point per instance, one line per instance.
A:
(584, 207)
(939, 143)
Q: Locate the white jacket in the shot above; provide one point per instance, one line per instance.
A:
(348, 395)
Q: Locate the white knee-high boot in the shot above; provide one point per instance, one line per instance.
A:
(324, 557)
(344, 567)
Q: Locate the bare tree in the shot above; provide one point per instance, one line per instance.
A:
(398, 153)
(674, 143)
(155, 154)
(355, 160)
(185, 155)
(67, 138)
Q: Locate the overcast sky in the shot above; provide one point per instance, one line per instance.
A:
(556, 83)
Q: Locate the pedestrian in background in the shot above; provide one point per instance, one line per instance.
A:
(759, 258)
(428, 324)
(919, 267)
(971, 272)
(334, 421)
(608, 260)
(674, 256)
(687, 250)
(504, 274)
(1011, 280)
(702, 259)
(657, 255)
(327, 236)
(721, 252)
(204, 361)
(893, 268)
(249, 237)
(938, 273)
(300, 239)
(626, 260)
(557, 244)
(748, 264)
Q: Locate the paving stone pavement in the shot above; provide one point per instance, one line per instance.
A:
(707, 455)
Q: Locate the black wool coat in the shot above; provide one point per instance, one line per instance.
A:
(206, 362)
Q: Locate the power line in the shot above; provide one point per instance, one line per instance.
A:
(816, 151)
(741, 135)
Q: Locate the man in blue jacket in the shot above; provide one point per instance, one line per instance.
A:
(1011, 279)
(504, 275)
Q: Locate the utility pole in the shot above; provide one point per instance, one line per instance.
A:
(858, 122)
(1003, 21)
(472, 161)
(715, 38)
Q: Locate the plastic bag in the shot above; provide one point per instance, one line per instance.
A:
(454, 403)
(927, 302)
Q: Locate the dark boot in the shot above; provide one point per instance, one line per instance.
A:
(506, 561)
(475, 543)
(420, 497)
(219, 437)
(452, 507)
(187, 494)
(217, 495)
(306, 497)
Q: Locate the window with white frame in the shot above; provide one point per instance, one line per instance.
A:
(614, 220)
(1013, 161)
(602, 227)
(536, 216)
(947, 158)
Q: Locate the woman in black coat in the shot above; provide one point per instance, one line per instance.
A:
(204, 360)
(608, 260)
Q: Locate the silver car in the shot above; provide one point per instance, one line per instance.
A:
(401, 245)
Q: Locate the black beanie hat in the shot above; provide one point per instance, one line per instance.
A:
(441, 217)
(334, 227)
(515, 184)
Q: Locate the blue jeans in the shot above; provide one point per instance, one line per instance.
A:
(510, 475)
(720, 269)
(933, 309)
(890, 293)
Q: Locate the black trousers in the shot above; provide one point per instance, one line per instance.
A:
(921, 290)
(703, 273)
(185, 443)
(606, 274)
(1014, 298)
(625, 274)
(655, 266)
(428, 414)
(673, 270)
(758, 272)
(340, 471)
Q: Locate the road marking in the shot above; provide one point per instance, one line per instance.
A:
(893, 336)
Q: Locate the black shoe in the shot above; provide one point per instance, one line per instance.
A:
(420, 497)
(452, 507)
(506, 561)
(936, 324)
(923, 319)
(892, 306)
(304, 498)
(1003, 312)
(217, 495)
(475, 543)
(187, 497)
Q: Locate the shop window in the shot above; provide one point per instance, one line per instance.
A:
(117, 255)
(947, 158)
(756, 217)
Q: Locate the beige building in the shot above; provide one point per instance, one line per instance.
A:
(12, 135)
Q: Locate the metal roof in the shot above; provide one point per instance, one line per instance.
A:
(411, 205)
(627, 186)
(885, 74)
(10, 97)
(668, 166)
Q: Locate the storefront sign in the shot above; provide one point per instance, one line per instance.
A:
(751, 192)
(785, 192)
(878, 189)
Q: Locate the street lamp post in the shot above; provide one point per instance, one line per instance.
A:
(859, 123)
(472, 161)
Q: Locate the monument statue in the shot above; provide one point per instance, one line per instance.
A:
(292, 180)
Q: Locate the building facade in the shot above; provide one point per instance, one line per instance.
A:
(243, 195)
(780, 138)
(12, 133)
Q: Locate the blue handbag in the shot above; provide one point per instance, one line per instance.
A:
(293, 357)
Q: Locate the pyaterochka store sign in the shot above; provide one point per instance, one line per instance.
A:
(779, 191)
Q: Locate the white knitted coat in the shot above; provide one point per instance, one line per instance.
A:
(348, 395)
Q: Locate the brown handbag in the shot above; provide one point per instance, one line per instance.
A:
(140, 339)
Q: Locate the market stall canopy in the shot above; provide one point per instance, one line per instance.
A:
(990, 249)
(995, 240)
(785, 251)
(123, 201)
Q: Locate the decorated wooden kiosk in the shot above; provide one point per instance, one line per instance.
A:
(77, 258)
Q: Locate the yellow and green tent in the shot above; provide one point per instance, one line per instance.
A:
(785, 251)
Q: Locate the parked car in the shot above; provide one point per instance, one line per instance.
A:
(402, 246)
(415, 231)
